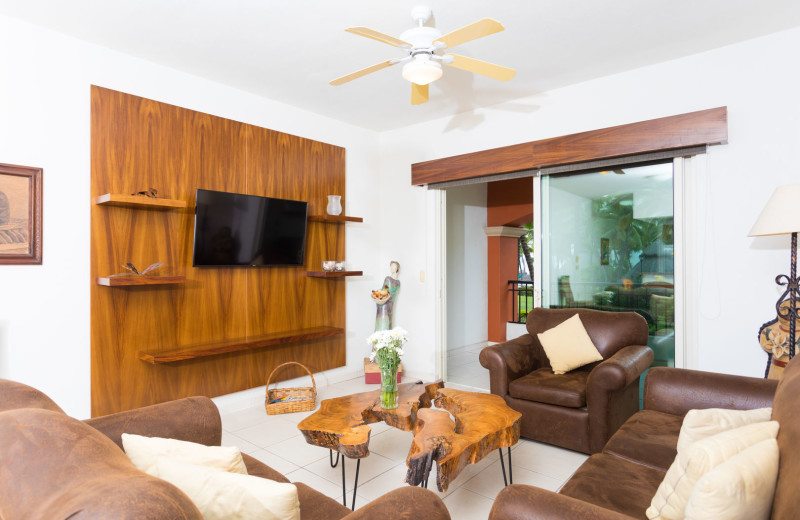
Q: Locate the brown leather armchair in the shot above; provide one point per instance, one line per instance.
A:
(582, 409)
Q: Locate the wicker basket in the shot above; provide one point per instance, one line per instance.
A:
(305, 397)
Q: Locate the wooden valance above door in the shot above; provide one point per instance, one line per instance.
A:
(684, 131)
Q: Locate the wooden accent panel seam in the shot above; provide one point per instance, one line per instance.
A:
(705, 127)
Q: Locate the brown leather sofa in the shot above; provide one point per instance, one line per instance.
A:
(56, 467)
(582, 409)
(620, 482)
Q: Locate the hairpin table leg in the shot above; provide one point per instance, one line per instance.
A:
(330, 456)
(355, 487)
(510, 475)
(344, 486)
(503, 466)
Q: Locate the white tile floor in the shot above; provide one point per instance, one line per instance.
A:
(276, 441)
(464, 369)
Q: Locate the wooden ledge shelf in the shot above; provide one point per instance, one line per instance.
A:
(138, 201)
(224, 347)
(333, 219)
(129, 281)
(333, 274)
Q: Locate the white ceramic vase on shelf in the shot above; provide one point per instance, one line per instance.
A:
(334, 204)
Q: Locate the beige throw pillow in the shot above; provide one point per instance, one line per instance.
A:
(692, 463)
(740, 488)
(568, 346)
(231, 496)
(699, 424)
(145, 451)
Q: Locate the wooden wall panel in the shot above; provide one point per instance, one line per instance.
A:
(704, 127)
(139, 144)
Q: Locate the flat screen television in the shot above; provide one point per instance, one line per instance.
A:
(232, 229)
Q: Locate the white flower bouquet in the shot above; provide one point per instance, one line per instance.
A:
(387, 347)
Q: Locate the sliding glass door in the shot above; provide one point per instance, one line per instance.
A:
(608, 244)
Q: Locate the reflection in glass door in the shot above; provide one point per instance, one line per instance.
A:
(608, 244)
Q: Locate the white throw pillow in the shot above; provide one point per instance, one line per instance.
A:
(145, 451)
(568, 346)
(698, 459)
(231, 496)
(740, 488)
(699, 424)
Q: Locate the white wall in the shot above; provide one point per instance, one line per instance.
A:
(467, 266)
(44, 122)
(737, 291)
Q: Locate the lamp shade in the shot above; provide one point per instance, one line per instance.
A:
(781, 215)
(422, 70)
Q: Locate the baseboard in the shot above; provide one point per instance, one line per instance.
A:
(253, 397)
(413, 377)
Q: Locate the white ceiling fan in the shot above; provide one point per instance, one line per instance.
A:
(425, 48)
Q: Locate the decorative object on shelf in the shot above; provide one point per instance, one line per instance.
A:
(133, 271)
(328, 266)
(385, 298)
(387, 347)
(339, 266)
(781, 216)
(334, 205)
(286, 400)
(138, 202)
(20, 215)
(150, 192)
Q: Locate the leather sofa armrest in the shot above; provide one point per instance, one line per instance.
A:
(612, 392)
(508, 361)
(678, 390)
(621, 369)
(522, 502)
(194, 419)
(406, 502)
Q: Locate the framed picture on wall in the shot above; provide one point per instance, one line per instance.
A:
(605, 251)
(20, 215)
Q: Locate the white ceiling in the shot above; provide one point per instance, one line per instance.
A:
(288, 50)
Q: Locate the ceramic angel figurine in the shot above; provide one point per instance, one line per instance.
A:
(385, 298)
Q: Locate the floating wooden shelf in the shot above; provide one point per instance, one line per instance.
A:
(333, 274)
(138, 201)
(333, 219)
(224, 347)
(127, 281)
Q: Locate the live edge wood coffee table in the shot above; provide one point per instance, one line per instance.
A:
(483, 422)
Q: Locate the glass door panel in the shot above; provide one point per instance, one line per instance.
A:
(607, 244)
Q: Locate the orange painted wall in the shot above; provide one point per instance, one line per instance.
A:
(508, 203)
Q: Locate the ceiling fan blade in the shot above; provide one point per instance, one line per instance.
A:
(483, 68)
(363, 72)
(419, 94)
(471, 32)
(375, 35)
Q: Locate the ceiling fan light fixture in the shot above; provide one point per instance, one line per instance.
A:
(422, 70)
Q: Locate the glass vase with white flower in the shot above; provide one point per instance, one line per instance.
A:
(387, 347)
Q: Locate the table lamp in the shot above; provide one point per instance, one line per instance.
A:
(781, 216)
